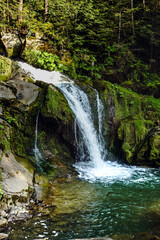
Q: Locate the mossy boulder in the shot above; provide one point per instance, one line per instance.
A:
(56, 106)
(149, 148)
(19, 103)
(13, 42)
(26, 92)
(129, 119)
(5, 68)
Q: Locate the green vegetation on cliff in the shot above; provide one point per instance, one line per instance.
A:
(5, 68)
(56, 106)
(133, 124)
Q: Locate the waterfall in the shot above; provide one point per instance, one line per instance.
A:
(100, 112)
(89, 140)
(37, 153)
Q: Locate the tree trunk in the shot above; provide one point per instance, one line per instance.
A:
(120, 26)
(20, 11)
(144, 4)
(132, 17)
(46, 10)
(120, 23)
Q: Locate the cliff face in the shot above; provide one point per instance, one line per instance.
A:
(132, 125)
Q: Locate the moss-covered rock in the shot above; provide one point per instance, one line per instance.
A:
(5, 68)
(129, 119)
(14, 43)
(149, 148)
(56, 106)
(56, 123)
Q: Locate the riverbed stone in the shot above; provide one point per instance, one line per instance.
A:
(27, 92)
(13, 43)
(16, 178)
(3, 236)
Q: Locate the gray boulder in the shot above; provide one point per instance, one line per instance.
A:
(27, 92)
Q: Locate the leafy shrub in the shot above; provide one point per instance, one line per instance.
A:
(44, 60)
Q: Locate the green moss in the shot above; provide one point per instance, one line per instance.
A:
(155, 148)
(140, 129)
(4, 137)
(154, 103)
(128, 151)
(5, 68)
(133, 117)
(25, 162)
(56, 106)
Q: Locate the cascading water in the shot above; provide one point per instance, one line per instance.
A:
(37, 153)
(80, 106)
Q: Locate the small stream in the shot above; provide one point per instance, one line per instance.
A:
(107, 198)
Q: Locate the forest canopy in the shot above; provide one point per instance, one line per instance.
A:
(116, 40)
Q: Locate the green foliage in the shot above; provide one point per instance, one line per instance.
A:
(44, 60)
(101, 38)
(8, 12)
(5, 68)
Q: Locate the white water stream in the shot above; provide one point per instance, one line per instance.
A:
(37, 153)
(89, 139)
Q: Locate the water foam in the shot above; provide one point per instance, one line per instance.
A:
(53, 77)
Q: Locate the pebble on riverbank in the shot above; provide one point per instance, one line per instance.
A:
(3, 236)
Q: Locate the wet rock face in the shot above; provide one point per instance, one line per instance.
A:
(130, 118)
(149, 148)
(56, 119)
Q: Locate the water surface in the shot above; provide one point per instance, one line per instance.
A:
(92, 208)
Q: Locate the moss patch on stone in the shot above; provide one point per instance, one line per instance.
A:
(56, 106)
(5, 68)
